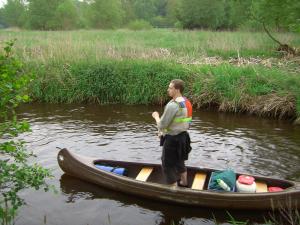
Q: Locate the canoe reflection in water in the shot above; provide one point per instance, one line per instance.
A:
(76, 190)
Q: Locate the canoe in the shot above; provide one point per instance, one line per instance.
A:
(146, 180)
(77, 190)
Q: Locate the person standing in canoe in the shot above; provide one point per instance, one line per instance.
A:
(173, 126)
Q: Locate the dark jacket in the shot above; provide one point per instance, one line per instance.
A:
(176, 148)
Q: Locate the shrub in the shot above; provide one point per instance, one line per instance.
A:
(161, 22)
(139, 25)
(15, 172)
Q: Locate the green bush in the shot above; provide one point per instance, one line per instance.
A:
(109, 81)
(16, 174)
(139, 25)
(160, 22)
(145, 82)
(178, 25)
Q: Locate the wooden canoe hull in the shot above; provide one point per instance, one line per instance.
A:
(84, 168)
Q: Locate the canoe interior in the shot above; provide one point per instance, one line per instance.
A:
(157, 176)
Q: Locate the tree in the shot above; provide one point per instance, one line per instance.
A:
(41, 14)
(202, 14)
(66, 16)
(145, 9)
(293, 18)
(106, 14)
(2, 19)
(129, 13)
(15, 172)
(172, 10)
(84, 11)
(239, 12)
(278, 14)
(14, 13)
(161, 7)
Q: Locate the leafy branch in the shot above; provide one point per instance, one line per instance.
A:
(15, 171)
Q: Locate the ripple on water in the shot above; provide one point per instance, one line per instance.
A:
(128, 133)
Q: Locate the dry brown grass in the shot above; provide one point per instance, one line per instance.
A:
(271, 105)
(289, 64)
(205, 100)
(287, 213)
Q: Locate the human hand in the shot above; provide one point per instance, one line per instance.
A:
(155, 115)
(159, 134)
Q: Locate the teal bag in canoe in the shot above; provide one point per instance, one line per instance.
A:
(228, 176)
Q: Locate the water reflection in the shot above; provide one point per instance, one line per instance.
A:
(248, 144)
(244, 143)
(75, 189)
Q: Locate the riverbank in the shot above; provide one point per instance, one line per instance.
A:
(229, 71)
(250, 89)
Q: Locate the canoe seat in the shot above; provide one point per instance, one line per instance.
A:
(261, 186)
(199, 181)
(144, 174)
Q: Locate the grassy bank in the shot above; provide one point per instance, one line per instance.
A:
(230, 71)
(252, 89)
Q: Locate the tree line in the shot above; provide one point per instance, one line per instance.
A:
(281, 15)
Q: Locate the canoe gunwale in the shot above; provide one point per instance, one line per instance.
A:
(86, 166)
(293, 185)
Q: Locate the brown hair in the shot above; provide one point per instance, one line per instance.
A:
(178, 84)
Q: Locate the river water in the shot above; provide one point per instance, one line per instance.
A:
(244, 143)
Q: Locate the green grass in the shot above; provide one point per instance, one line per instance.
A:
(64, 46)
(135, 67)
(128, 81)
(236, 89)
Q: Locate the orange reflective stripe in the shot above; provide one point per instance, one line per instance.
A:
(189, 107)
